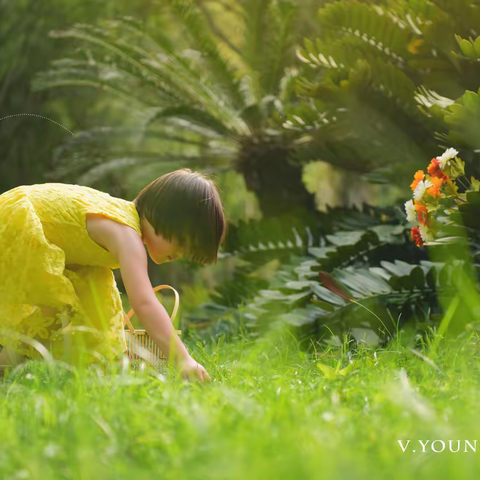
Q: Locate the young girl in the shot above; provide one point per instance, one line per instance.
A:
(59, 244)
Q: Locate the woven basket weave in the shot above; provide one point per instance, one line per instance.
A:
(140, 346)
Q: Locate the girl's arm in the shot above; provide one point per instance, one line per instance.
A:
(127, 246)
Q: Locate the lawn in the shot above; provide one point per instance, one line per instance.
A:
(270, 413)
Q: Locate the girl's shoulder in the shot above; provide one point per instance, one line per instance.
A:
(101, 229)
(98, 226)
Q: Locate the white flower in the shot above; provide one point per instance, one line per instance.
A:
(448, 155)
(410, 210)
(421, 188)
(425, 234)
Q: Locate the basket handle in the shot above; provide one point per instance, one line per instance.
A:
(128, 316)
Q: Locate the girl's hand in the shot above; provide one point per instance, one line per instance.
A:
(191, 369)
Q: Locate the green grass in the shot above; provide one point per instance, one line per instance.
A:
(269, 413)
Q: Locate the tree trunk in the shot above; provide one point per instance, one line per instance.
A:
(276, 182)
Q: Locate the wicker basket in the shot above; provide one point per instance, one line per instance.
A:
(140, 347)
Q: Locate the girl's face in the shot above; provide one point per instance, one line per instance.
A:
(159, 249)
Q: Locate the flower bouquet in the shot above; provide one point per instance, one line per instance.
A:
(435, 194)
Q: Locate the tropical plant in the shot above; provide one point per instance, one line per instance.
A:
(208, 109)
(366, 253)
(368, 283)
(373, 67)
(374, 63)
(457, 119)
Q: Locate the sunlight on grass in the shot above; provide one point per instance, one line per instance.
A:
(270, 412)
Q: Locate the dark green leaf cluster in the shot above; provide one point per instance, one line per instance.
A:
(371, 68)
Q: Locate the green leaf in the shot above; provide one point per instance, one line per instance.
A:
(473, 198)
(321, 252)
(345, 371)
(324, 305)
(457, 168)
(327, 295)
(345, 238)
(431, 207)
(475, 184)
(398, 268)
(376, 282)
(431, 277)
(298, 285)
(405, 282)
(353, 281)
(451, 188)
(476, 45)
(382, 273)
(467, 49)
(389, 233)
(328, 372)
(296, 318)
(472, 102)
(417, 277)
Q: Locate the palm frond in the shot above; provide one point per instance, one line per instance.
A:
(371, 24)
(219, 67)
(269, 40)
(135, 55)
(193, 115)
(364, 65)
(107, 77)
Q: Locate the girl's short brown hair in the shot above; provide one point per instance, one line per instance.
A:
(185, 205)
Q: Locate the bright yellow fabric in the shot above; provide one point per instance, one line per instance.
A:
(47, 258)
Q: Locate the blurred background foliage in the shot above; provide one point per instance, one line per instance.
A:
(312, 116)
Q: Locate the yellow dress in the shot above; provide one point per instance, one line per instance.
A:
(47, 258)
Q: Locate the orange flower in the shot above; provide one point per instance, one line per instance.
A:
(435, 190)
(434, 168)
(421, 214)
(417, 237)
(419, 176)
